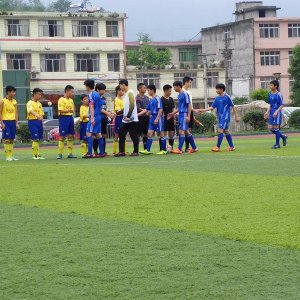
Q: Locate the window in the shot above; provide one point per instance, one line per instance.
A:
(53, 63)
(113, 60)
(265, 82)
(18, 61)
(294, 30)
(148, 79)
(85, 28)
(262, 13)
(270, 58)
(86, 62)
(212, 79)
(17, 28)
(269, 30)
(227, 34)
(179, 76)
(51, 28)
(188, 54)
(290, 57)
(112, 28)
(291, 83)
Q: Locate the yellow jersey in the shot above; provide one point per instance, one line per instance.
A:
(65, 104)
(84, 111)
(36, 106)
(9, 109)
(118, 104)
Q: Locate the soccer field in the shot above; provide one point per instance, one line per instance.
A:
(194, 226)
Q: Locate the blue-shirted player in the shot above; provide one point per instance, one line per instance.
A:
(156, 123)
(223, 104)
(274, 114)
(184, 118)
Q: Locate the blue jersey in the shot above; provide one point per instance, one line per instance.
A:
(275, 100)
(184, 102)
(154, 105)
(223, 105)
(103, 106)
(97, 101)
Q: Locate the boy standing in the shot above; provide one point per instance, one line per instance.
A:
(9, 121)
(274, 113)
(156, 121)
(35, 115)
(119, 109)
(66, 122)
(84, 118)
(223, 104)
(185, 110)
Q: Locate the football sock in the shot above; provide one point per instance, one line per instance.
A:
(61, 145)
(181, 142)
(149, 144)
(229, 140)
(192, 141)
(220, 139)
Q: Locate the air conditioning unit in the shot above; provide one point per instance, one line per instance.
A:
(34, 76)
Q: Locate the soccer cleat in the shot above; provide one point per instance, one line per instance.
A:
(134, 154)
(35, 157)
(9, 159)
(231, 149)
(14, 159)
(216, 149)
(72, 156)
(176, 151)
(120, 154)
(145, 152)
(284, 140)
(40, 157)
(187, 150)
(276, 147)
(162, 152)
(59, 156)
(193, 150)
(87, 156)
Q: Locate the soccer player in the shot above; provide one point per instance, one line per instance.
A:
(187, 83)
(223, 104)
(142, 101)
(168, 107)
(274, 113)
(129, 122)
(9, 121)
(119, 109)
(66, 122)
(156, 123)
(185, 110)
(84, 118)
(35, 115)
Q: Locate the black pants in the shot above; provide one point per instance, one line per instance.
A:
(132, 129)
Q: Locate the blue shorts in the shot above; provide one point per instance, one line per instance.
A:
(118, 123)
(66, 125)
(96, 128)
(82, 133)
(183, 124)
(159, 127)
(223, 124)
(9, 133)
(36, 129)
(275, 121)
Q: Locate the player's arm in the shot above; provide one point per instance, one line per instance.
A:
(160, 112)
(236, 116)
(131, 106)
(17, 116)
(188, 118)
(107, 113)
(280, 107)
(199, 111)
(32, 112)
(1, 110)
(92, 112)
(142, 112)
(267, 113)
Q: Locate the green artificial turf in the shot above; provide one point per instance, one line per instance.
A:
(208, 225)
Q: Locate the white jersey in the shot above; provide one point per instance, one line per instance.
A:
(190, 95)
(134, 117)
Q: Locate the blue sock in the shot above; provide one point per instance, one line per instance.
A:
(192, 141)
(164, 144)
(229, 140)
(90, 144)
(278, 133)
(101, 146)
(181, 142)
(220, 139)
(149, 144)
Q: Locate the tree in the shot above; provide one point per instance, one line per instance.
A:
(20, 5)
(294, 70)
(144, 37)
(260, 94)
(60, 5)
(255, 118)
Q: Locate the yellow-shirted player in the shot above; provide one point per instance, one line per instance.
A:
(35, 115)
(84, 118)
(9, 121)
(66, 122)
(118, 108)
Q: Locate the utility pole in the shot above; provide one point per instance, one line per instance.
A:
(227, 53)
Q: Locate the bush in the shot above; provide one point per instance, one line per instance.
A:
(208, 120)
(260, 94)
(240, 100)
(294, 120)
(23, 134)
(255, 118)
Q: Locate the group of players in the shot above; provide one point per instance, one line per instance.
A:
(140, 116)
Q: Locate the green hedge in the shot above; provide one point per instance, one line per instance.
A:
(208, 120)
(255, 118)
(294, 120)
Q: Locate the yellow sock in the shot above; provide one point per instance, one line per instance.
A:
(35, 147)
(7, 149)
(70, 146)
(83, 148)
(115, 146)
(11, 147)
(61, 145)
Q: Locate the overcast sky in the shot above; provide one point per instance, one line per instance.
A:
(171, 20)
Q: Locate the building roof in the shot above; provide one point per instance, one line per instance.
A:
(255, 8)
(166, 44)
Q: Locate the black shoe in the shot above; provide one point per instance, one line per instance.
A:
(276, 147)
(134, 154)
(284, 140)
(120, 154)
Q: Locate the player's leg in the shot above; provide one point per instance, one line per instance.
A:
(33, 129)
(104, 132)
(95, 146)
(220, 138)
(13, 131)
(70, 137)
(149, 141)
(122, 137)
(183, 127)
(229, 140)
(40, 138)
(132, 128)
